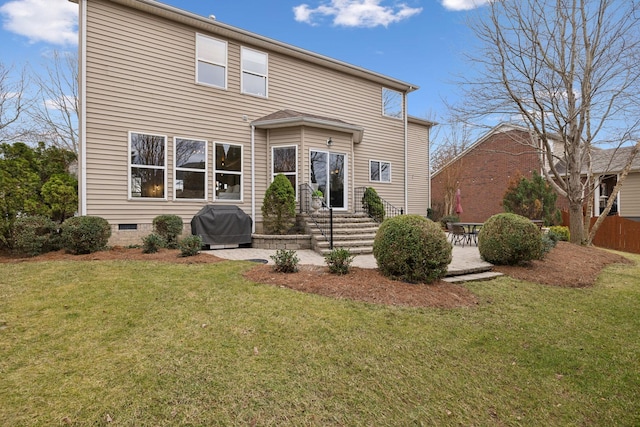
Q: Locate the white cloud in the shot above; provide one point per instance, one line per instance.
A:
(50, 21)
(463, 4)
(356, 13)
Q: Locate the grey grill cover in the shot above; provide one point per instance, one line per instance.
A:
(221, 225)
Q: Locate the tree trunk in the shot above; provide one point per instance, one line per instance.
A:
(575, 223)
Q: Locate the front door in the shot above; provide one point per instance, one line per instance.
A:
(329, 171)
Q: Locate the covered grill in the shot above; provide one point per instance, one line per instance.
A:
(222, 225)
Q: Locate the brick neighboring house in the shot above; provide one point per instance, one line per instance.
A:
(482, 173)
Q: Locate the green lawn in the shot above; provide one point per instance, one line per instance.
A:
(149, 344)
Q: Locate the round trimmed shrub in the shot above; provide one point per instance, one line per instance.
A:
(169, 227)
(85, 234)
(35, 235)
(412, 248)
(509, 239)
(559, 233)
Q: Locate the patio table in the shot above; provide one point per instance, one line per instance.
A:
(471, 230)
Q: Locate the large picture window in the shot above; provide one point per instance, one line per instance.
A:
(254, 72)
(392, 105)
(147, 165)
(285, 161)
(190, 169)
(211, 59)
(379, 171)
(228, 171)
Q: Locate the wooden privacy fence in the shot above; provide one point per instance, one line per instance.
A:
(615, 233)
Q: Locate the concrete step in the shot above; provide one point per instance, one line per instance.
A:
(472, 277)
(354, 251)
(346, 235)
(350, 244)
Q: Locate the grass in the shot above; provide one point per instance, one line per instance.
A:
(147, 344)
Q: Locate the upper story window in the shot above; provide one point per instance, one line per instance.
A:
(285, 161)
(147, 165)
(228, 171)
(211, 56)
(392, 105)
(190, 169)
(254, 72)
(379, 171)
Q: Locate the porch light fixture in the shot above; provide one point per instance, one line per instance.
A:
(329, 142)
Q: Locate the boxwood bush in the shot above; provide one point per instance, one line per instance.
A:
(559, 233)
(190, 245)
(85, 234)
(35, 235)
(412, 248)
(169, 227)
(509, 239)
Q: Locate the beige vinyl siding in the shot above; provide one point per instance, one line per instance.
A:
(418, 159)
(141, 77)
(630, 196)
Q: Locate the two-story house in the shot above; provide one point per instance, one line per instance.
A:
(179, 111)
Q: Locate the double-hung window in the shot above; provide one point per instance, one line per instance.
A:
(211, 59)
(228, 171)
(147, 165)
(379, 171)
(392, 105)
(254, 72)
(190, 169)
(285, 161)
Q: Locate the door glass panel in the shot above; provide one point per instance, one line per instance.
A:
(319, 160)
(336, 180)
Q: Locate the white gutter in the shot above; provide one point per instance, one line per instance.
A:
(253, 179)
(83, 107)
(406, 155)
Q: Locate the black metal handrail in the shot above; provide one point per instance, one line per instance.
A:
(321, 216)
(377, 209)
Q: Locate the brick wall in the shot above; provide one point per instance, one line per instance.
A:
(484, 172)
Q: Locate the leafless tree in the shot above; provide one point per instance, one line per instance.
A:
(55, 115)
(567, 68)
(13, 101)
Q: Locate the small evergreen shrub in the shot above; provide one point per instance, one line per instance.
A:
(372, 204)
(560, 233)
(286, 261)
(548, 243)
(412, 248)
(169, 227)
(85, 234)
(279, 206)
(190, 245)
(509, 239)
(35, 235)
(339, 260)
(153, 243)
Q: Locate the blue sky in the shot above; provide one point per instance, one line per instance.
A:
(418, 41)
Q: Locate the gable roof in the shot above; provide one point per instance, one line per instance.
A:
(213, 26)
(288, 118)
(611, 160)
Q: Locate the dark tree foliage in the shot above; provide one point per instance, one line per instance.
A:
(532, 198)
(279, 206)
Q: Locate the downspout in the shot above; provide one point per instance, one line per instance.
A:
(253, 179)
(406, 154)
(82, 152)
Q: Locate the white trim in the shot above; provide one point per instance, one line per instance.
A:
(240, 174)
(273, 173)
(405, 122)
(163, 168)
(225, 65)
(253, 179)
(402, 106)
(346, 190)
(182, 169)
(243, 71)
(82, 152)
(380, 181)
